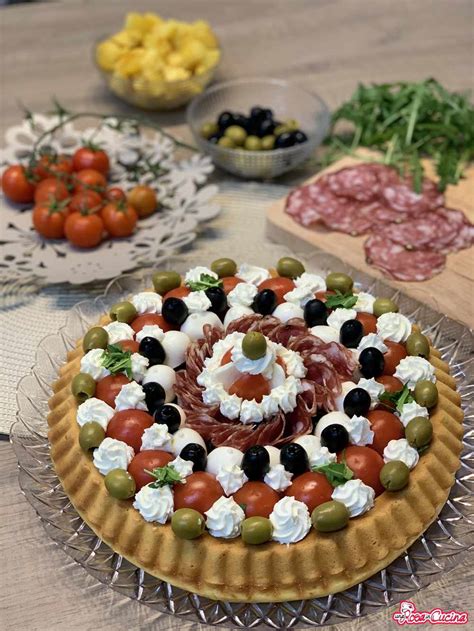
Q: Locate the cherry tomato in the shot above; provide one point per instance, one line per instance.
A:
(227, 357)
(311, 488)
(250, 387)
(119, 218)
(128, 426)
(279, 285)
(18, 185)
(386, 427)
(391, 384)
(90, 158)
(129, 345)
(149, 319)
(90, 179)
(395, 353)
(108, 388)
(178, 292)
(322, 295)
(257, 499)
(149, 459)
(229, 282)
(368, 321)
(49, 220)
(143, 199)
(84, 231)
(52, 165)
(115, 194)
(85, 202)
(51, 189)
(365, 463)
(200, 492)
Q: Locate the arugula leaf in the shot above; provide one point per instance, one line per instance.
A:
(205, 282)
(165, 476)
(340, 300)
(336, 472)
(117, 360)
(397, 398)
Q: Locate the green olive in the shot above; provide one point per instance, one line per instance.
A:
(236, 134)
(209, 129)
(339, 281)
(226, 142)
(187, 523)
(91, 435)
(268, 143)
(419, 432)
(280, 129)
(330, 516)
(291, 124)
(165, 281)
(289, 267)
(384, 305)
(83, 387)
(426, 394)
(417, 344)
(394, 475)
(253, 143)
(120, 484)
(224, 267)
(254, 345)
(256, 530)
(97, 337)
(123, 312)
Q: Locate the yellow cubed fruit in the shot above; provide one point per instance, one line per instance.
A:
(127, 39)
(203, 32)
(211, 59)
(107, 54)
(136, 22)
(192, 53)
(175, 59)
(152, 20)
(130, 62)
(175, 74)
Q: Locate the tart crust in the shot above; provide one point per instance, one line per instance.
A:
(230, 570)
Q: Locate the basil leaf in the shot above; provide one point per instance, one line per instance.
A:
(205, 282)
(336, 472)
(398, 399)
(164, 476)
(116, 360)
(340, 300)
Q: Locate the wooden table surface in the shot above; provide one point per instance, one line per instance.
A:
(326, 45)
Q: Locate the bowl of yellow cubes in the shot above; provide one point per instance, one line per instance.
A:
(158, 64)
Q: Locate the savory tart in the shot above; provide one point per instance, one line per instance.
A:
(256, 435)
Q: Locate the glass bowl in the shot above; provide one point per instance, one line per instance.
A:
(286, 99)
(156, 95)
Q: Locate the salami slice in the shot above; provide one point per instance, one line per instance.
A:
(396, 261)
(363, 182)
(301, 206)
(430, 231)
(402, 198)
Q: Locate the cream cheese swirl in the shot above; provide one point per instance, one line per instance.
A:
(94, 410)
(154, 505)
(356, 496)
(224, 518)
(401, 450)
(394, 327)
(147, 302)
(112, 454)
(290, 520)
(410, 370)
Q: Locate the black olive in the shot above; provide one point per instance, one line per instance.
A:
(155, 396)
(256, 462)
(294, 458)
(267, 113)
(168, 415)
(241, 121)
(152, 349)
(351, 333)
(218, 299)
(265, 302)
(226, 119)
(357, 402)
(197, 454)
(284, 140)
(265, 127)
(299, 137)
(315, 312)
(214, 139)
(335, 437)
(371, 362)
(174, 311)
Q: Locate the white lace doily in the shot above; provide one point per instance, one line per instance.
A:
(135, 156)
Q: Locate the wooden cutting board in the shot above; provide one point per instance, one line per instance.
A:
(451, 292)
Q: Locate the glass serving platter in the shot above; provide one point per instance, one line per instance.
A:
(433, 554)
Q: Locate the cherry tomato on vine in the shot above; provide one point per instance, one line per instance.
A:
(310, 488)
(18, 184)
(368, 321)
(108, 388)
(279, 285)
(178, 292)
(53, 165)
(150, 319)
(143, 199)
(365, 463)
(91, 157)
(386, 427)
(84, 231)
(51, 189)
(115, 194)
(256, 498)
(200, 492)
(128, 426)
(129, 345)
(393, 356)
(119, 219)
(149, 459)
(49, 220)
(85, 202)
(90, 179)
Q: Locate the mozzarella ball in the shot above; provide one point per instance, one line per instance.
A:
(236, 312)
(165, 376)
(274, 454)
(221, 456)
(183, 437)
(309, 443)
(332, 418)
(288, 310)
(194, 323)
(325, 333)
(346, 387)
(175, 344)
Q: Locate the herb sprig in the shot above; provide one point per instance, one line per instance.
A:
(165, 476)
(408, 121)
(340, 300)
(205, 282)
(117, 360)
(337, 473)
(397, 398)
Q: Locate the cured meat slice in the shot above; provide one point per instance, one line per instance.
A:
(402, 198)
(402, 264)
(430, 231)
(362, 182)
(464, 237)
(352, 218)
(300, 206)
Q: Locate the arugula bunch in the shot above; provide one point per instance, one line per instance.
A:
(117, 360)
(165, 476)
(407, 121)
(397, 398)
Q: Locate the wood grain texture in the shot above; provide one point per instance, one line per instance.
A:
(451, 292)
(327, 45)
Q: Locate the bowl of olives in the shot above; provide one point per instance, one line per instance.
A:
(258, 128)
